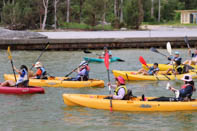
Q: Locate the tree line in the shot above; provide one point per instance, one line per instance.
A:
(42, 14)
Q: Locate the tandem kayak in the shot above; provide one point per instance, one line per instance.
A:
(21, 90)
(134, 104)
(59, 82)
(113, 59)
(131, 76)
(164, 67)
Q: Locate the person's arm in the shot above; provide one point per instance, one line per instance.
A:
(169, 57)
(18, 71)
(121, 94)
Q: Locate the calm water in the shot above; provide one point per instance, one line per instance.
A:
(47, 112)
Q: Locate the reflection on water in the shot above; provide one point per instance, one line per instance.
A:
(48, 112)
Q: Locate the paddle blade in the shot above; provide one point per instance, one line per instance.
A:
(169, 49)
(168, 86)
(106, 60)
(141, 59)
(9, 53)
(87, 51)
(154, 50)
(186, 41)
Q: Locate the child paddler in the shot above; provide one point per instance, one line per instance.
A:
(153, 70)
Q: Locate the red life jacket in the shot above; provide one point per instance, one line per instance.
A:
(184, 86)
(87, 68)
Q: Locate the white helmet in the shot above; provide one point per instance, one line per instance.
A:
(38, 64)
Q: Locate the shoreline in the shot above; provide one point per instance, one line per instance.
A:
(80, 40)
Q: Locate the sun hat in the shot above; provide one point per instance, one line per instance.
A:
(120, 80)
(187, 78)
(83, 63)
(38, 64)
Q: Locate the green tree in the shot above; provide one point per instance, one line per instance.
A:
(133, 14)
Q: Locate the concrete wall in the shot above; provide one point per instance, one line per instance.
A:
(80, 44)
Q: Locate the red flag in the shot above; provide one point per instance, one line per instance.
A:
(106, 60)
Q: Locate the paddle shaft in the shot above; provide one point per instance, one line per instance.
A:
(156, 51)
(40, 55)
(109, 89)
(13, 69)
(186, 41)
(10, 58)
(169, 49)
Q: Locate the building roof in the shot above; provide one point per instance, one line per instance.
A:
(188, 11)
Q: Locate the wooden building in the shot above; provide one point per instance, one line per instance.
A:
(188, 16)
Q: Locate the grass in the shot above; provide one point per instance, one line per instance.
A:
(83, 26)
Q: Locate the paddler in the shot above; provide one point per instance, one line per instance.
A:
(106, 50)
(82, 72)
(41, 72)
(178, 69)
(23, 79)
(175, 58)
(153, 70)
(193, 61)
(121, 92)
(186, 90)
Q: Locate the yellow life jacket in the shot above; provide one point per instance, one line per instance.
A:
(118, 88)
(180, 66)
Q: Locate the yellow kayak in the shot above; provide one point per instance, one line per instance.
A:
(59, 82)
(164, 67)
(131, 76)
(134, 104)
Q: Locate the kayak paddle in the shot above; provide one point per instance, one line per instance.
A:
(106, 61)
(40, 55)
(169, 49)
(10, 58)
(156, 51)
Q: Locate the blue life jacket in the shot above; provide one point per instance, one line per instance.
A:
(152, 70)
(43, 75)
(23, 77)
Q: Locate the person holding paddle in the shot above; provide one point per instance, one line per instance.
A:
(121, 92)
(153, 70)
(193, 61)
(176, 57)
(83, 72)
(186, 90)
(41, 72)
(23, 78)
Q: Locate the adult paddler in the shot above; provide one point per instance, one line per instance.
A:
(120, 90)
